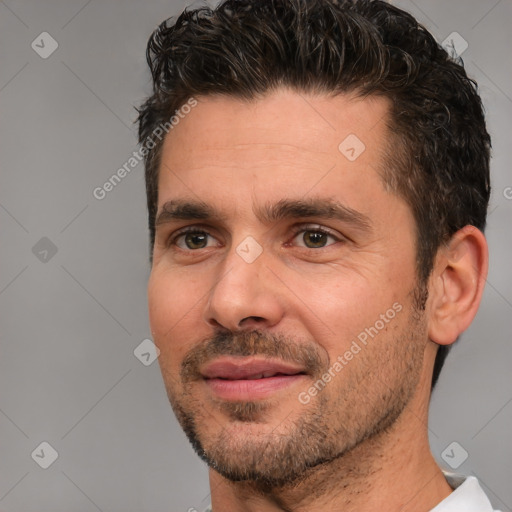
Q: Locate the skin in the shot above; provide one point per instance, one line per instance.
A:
(364, 435)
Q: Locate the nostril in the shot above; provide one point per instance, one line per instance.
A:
(249, 319)
(217, 325)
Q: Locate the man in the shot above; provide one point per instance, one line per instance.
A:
(316, 210)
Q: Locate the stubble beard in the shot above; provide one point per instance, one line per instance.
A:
(364, 400)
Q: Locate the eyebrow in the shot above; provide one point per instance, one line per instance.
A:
(179, 209)
(327, 208)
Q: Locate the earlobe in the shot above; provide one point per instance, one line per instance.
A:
(457, 284)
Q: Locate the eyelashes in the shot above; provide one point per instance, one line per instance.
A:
(314, 237)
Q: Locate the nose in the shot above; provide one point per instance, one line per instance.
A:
(244, 296)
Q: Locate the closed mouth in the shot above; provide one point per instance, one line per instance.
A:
(249, 369)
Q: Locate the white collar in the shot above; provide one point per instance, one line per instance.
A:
(467, 496)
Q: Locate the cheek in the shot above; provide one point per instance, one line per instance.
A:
(344, 312)
(172, 303)
(340, 307)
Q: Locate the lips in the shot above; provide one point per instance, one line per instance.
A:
(248, 369)
(249, 379)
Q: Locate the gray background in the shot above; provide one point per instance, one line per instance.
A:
(70, 323)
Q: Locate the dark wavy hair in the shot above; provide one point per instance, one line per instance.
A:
(438, 149)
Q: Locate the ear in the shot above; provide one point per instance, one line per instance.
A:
(457, 284)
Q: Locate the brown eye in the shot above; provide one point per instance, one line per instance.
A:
(193, 240)
(196, 240)
(314, 238)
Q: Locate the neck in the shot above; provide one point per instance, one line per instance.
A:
(394, 469)
(399, 473)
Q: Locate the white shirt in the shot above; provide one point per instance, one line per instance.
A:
(467, 496)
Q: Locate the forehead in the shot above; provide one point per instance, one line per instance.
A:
(286, 142)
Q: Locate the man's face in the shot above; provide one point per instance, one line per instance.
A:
(285, 316)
